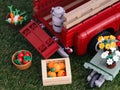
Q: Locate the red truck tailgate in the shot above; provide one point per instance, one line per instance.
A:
(42, 42)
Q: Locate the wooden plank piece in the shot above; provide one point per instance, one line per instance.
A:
(65, 7)
(83, 9)
(76, 12)
(79, 19)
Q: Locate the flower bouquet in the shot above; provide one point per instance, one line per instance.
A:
(22, 59)
(111, 57)
(14, 17)
(107, 42)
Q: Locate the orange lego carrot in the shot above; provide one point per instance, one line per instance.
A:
(12, 17)
(20, 18)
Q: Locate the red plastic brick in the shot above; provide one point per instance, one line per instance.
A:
(90, 27)
(42, 42)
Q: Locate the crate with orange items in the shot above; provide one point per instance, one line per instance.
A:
(56, 71)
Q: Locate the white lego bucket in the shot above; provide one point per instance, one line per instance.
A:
(57, 21)
(57, 29)
(57, 18)
(58, 11)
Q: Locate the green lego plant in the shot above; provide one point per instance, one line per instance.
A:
(16, 17)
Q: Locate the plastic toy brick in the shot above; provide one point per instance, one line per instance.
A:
(91, 29)
(105, 16)
(47, 4)
(43, 43)
(98, 65)
(86, 10)
(48, 81)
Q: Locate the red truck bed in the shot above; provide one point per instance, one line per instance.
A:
(80, 35)
(46, 5)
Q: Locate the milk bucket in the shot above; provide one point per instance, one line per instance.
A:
(57, 18)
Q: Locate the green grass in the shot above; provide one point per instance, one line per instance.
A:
(13, 79)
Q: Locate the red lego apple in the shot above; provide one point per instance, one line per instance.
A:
(20, 59)
(20, 55)
(25, 61)
(27, 54)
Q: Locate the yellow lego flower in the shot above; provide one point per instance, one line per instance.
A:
(100, 38)
(106, 37)
(113, 44)
(101, 45)
(112, 37)
(107, 46)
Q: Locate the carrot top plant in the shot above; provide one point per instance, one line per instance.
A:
(16, 17)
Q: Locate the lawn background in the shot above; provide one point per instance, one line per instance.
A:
(11, 41)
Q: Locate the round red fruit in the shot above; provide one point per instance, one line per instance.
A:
(25, 62)
(20, 59)
(20, 55)
(27, 54)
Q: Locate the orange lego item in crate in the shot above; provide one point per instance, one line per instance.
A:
(56, 71)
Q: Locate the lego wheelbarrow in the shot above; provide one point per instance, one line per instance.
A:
(100, 71)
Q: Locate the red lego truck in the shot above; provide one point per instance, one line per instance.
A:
(84, 21)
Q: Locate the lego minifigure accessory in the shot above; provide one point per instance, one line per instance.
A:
(57, 18)
(107, 42)
(22, 59)
(111, 57)
(56, 69)
(14, 17)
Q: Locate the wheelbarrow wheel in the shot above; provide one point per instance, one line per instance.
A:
(93, 79)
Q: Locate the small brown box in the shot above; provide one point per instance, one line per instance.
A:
(56, 80)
